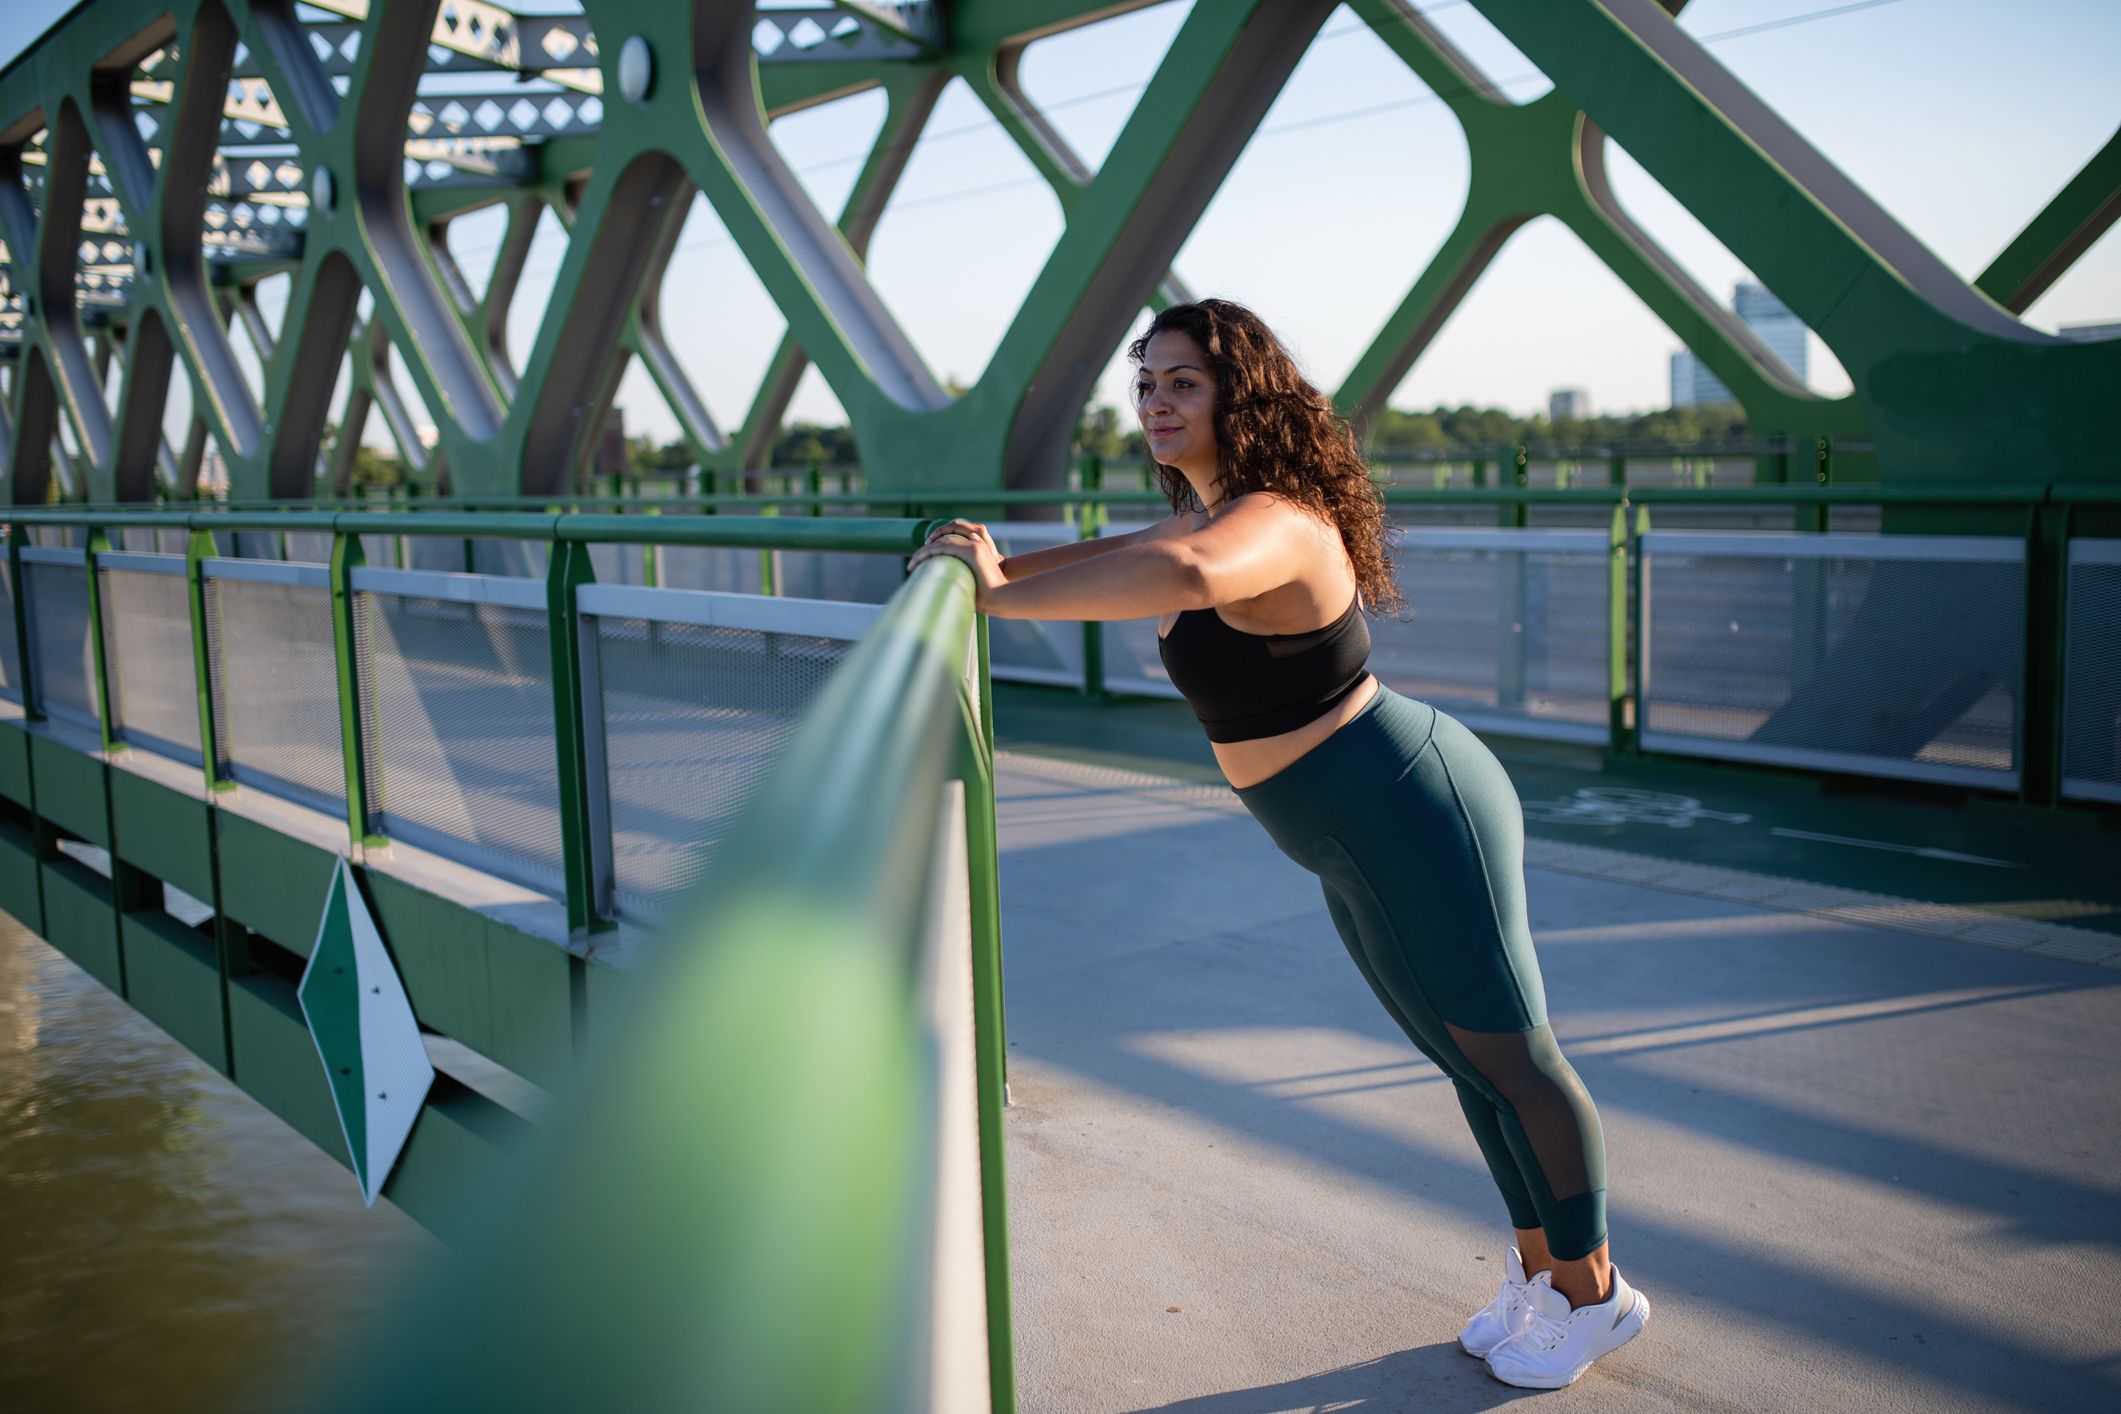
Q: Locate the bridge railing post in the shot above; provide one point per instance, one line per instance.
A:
(25, 660)
(99, 651)
(346, 557)
(198, 549)
(568, 568)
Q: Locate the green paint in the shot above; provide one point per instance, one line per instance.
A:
(346, 557)
(330, 995)
(567, 570)
(80, 921)
(173, 978)
(2052, 241)
(69, 789)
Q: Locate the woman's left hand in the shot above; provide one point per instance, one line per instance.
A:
(977, 551)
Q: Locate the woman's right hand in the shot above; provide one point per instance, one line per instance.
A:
(970, 530)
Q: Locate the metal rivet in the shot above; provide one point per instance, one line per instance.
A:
(636, 69)
(320, 191)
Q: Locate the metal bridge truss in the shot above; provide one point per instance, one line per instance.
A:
(159, 158)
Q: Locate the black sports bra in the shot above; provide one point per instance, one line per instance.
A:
(1244, 686)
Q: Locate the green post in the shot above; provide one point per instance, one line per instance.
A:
(568, 570)
(345, 642)
(1641, 674)
(198, 549)
(30, 700)
(769, 562)
(652, 556)
(1616, 469)
(1616, 632)
(99, 544)
(1825, 467)
(814, 479)
(2046, 619)
(990, 1046)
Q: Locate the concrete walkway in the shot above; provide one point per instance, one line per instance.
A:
(1856, 1168)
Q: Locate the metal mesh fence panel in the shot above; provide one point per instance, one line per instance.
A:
(307, 546)
(1132, 662)
(516, 559)
(706, 567)
(1894, 655)
(59, 638)
(1506, 629)
(440, 553)
(10, 650)
(1033, 650)
(276, 684)
(621, 564)
(2091, 688)
(690, 717)
(147, 653)
(847, 578)
(457, 720)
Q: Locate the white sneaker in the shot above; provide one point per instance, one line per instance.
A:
(1558, 1344)
(1501, 1318)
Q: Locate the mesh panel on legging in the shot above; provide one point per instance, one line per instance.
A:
(1551, 1114)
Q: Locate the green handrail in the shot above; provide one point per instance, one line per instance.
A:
(299, 515)
(733, 1211)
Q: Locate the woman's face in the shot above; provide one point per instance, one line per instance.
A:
(1175, 400)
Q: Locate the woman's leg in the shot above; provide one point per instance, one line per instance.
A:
(1429, 876)
(1479, 1111)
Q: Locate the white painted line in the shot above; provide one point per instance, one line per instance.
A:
(1925, 851)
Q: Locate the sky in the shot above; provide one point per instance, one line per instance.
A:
(1961, 117)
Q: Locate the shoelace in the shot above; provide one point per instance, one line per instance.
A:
(1545, 1332)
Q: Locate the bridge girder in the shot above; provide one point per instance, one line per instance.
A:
(220, 142)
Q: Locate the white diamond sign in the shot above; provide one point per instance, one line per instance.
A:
(363, 1025)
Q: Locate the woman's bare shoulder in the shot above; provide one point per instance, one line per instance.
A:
(1173, 525)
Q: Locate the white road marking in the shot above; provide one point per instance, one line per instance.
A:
(1925, 851)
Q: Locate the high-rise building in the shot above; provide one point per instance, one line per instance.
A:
(1692, 383)
(1771, 321)
(1568, 402)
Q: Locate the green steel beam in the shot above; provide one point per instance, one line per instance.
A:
(1931, 357)
(2052, 241)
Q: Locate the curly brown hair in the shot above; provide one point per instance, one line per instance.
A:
(1275, 432)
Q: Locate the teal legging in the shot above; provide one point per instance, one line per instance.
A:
(1415, 832)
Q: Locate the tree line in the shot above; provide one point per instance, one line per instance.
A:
(1103, 431)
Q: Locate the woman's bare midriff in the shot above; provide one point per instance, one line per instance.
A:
(1247, 763)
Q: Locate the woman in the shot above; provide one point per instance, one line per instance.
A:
(1261, 578)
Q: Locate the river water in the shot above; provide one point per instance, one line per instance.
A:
(166, 1244)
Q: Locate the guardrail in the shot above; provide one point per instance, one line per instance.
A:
(834, 1259)
(780, 1184)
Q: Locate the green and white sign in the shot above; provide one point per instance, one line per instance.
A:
(363, 1025)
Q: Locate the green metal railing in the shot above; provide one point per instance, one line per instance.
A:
(733, 1212)
(739, 1208)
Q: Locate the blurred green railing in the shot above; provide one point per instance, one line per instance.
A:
(740, 1210)
(778, 1184)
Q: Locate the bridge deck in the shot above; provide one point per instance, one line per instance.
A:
(1855, 1166)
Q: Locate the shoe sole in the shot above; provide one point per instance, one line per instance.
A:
(1634, 1322)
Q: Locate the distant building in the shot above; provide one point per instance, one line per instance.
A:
(2088, 333)
(1568, 402)
(1771, 322)
(1692, 383)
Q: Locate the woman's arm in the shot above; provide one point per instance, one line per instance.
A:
(1258, 544)
(1053, 557)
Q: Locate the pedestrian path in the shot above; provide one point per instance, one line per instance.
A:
(1863, 1149)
